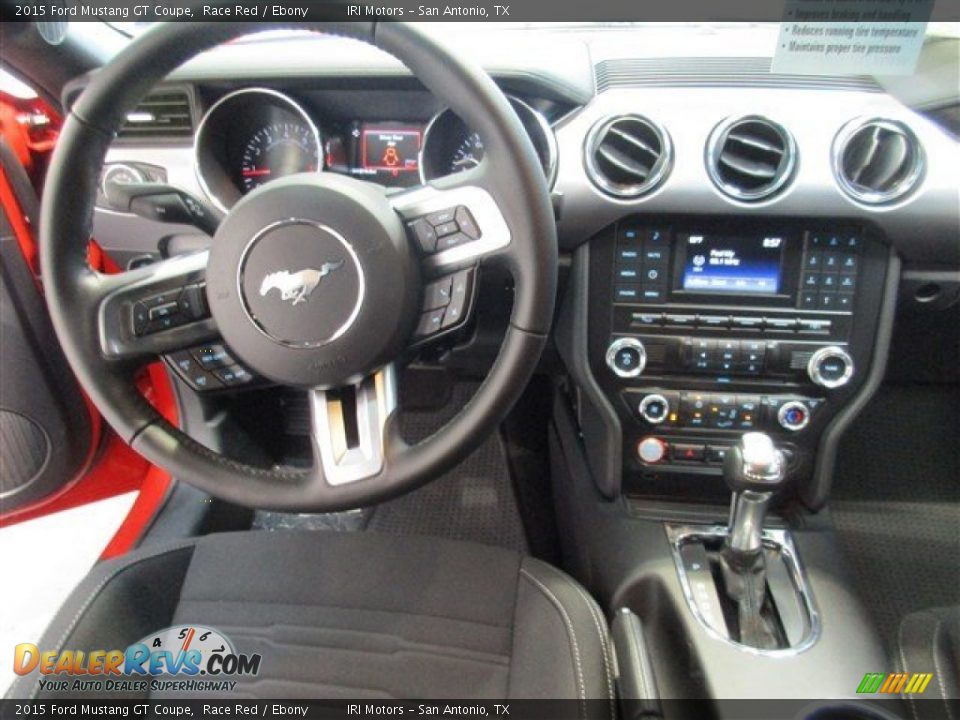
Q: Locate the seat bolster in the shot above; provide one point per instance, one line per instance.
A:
(930, 642)
(118, 602)
(561, 643)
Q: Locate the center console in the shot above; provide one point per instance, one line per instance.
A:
(702, 329)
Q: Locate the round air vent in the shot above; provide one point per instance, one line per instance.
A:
(628, 155)
(877, 161)
(750, 158)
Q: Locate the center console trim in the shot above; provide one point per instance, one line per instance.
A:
(777, 539)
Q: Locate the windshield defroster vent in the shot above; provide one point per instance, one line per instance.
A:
(877, 161)
(628, 155)
(750, 158)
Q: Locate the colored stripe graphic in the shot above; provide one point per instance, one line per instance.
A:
(894, 683)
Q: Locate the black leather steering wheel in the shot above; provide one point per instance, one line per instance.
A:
(350, 239)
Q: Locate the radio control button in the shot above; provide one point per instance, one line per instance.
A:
(648, 319)
(828, 300)
(627, 293)
(653, 274)
(713, 321)
(680, 320)
(847, 283)
(701, 354)
(629, 234)
(628, 273)
(653, 293)
(831, 261)
(627, 357)
(746, 323)
(844, 301)
(776, 324)
(849, 263)
(813, 260)
(628, 254)
(830, 367)
(811, 280)
(814, 326)
(657, 237)
(652, 450)
(809, 300)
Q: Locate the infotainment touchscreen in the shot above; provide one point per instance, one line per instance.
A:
(732, 264)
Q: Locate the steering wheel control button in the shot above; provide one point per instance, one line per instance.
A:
(233, 375)
(430, 323)
(652, 450)
(654, 409)
(425, 234)
(627, 357)
(212, 356)
(187, 367)
(466, 223)
(437, 294)
(793, 416)
(193, 302)
(830, 367)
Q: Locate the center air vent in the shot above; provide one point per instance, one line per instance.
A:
(877, 161)
(628, 155)
(750, 158)
(162, 114)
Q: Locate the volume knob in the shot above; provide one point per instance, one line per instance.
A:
(830, 367)
(627, 357)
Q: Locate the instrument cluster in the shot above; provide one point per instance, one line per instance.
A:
(252, 136)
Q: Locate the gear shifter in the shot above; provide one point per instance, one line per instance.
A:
(754, 470)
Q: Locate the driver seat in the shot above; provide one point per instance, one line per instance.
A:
(355, 615)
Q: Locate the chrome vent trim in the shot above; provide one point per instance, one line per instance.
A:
(750, 158)
(627, 156)
(163, 114)
(716, 72)
(877, 160)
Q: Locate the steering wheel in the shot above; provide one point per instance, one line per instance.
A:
(314, 281)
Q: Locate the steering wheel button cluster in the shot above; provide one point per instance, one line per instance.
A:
(167, 310)
(445, 303)
(212, 356)
(445, 229)
(233, 375)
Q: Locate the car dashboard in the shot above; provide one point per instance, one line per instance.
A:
(732, 239)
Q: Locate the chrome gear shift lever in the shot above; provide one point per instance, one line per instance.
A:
(754, 470)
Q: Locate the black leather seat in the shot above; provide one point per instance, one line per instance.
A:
(356, 615)
(930, 643)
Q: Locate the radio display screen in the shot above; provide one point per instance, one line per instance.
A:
(732, 264)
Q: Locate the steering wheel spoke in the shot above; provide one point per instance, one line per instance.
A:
(155, 310)
(454, 222)
(349, 428)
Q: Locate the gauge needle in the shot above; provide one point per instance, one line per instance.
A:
(464, 162)
(256, 172)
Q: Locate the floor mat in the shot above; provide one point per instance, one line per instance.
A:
(896, 503)
(474, 502)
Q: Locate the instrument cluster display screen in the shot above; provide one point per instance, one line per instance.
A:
(734, 265)
(390, 151)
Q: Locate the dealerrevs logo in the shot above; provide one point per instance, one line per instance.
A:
(181, 658)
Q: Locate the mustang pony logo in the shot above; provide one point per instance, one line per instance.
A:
(296, 286)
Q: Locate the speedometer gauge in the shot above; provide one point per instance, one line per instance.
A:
(278, 149)
(468, 154)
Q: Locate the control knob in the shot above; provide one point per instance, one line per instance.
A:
(626, 357)
(830, 367)
(793, 416)
(654, 409)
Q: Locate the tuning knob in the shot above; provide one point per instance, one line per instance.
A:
(626, 357)
(830, 367)
(793, 416)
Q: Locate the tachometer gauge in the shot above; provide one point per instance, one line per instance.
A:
(450, 147)
(278, 149)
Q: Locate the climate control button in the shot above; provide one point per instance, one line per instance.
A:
(793, 416)
(654, 409)
(627, 357)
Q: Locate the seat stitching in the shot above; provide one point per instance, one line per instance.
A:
(642, 662)
(96, 591)
(903, 659)
(592, 609)
(513, 631)
(936, 665)
(343, 607)
(571, 634)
